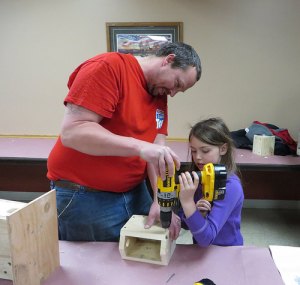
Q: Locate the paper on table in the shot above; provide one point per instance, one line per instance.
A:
(287, 260)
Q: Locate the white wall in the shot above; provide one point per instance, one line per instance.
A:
(249, 51)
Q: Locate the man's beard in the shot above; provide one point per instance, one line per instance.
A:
(150, 89)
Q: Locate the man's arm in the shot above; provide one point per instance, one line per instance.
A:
(81, 131)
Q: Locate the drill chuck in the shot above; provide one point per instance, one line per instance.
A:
(165, 218)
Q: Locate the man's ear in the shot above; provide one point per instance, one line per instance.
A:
(223, 149)
(169, 59)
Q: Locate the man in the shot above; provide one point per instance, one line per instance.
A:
(113, 136)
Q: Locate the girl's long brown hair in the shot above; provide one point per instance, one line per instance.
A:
(214, 131)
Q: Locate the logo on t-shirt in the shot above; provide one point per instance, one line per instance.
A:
(160, 115)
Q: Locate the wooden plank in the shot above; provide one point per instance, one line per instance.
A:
(7, 207)
(33, 236)
(5, 256)
(5, 268)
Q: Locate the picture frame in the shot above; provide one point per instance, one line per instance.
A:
(141, 38)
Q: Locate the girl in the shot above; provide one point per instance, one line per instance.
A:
(219, 222)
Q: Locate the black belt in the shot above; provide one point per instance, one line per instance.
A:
(73, 186)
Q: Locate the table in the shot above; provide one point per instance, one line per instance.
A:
(99, 263)
(273, 177)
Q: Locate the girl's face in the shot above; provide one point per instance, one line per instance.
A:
(203, 153)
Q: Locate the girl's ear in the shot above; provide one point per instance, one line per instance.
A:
(223, 149)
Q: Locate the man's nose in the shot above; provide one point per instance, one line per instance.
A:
(173, 92)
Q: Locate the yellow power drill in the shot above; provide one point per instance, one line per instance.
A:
(212, 177)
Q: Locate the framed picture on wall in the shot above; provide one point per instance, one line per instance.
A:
(142, 38)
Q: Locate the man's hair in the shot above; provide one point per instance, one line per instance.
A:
(185, 56)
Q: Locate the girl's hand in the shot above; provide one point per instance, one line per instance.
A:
(188, 188)
(188, 185)
(203, 207)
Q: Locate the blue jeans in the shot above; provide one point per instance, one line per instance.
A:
(98, 216)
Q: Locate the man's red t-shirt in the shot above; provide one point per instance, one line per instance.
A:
(112, 85)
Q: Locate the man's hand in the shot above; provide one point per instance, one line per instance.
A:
(175, 227)
(154, 215)
(160, 157)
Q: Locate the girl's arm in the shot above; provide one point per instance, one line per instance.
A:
(205, 230)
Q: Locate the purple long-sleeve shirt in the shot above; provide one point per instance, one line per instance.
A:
(222, 224)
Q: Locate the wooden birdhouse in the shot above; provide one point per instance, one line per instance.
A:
(28, 240)
(145, 245)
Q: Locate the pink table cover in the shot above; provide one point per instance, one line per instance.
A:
(40, 148)
(100, 263)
